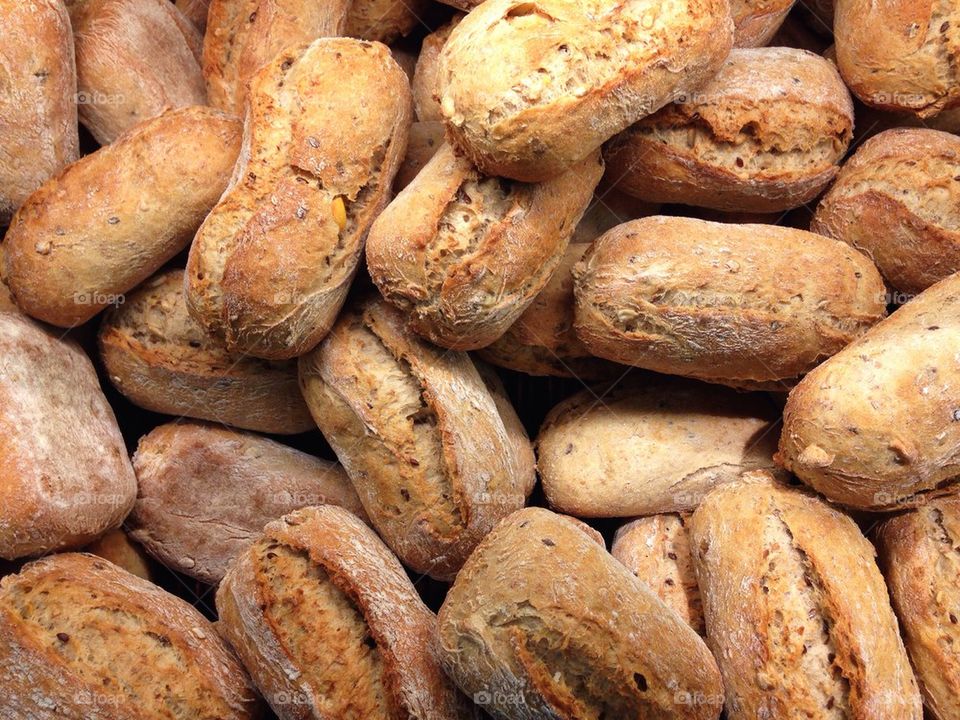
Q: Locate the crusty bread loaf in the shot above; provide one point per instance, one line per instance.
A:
(426, 99)
(765, 135)
(529, 89)
(900, 55)
(465, 253)
(162, 360)
(796, 610)
(878, 425)
(272, 263)
(65, 476)
(918, 554)
(195, 11)
(542, 623)
(135, 59)
(205, 492)
(81, 639)
(651, 445)
(898, 200)
(420, 435)
(657, 550)
(243, 35)
(38, 107)
(115, 546)
(331, 627)
(113, 218)
(383, 20)
(426, 138)
(756, 21)
(743, 305)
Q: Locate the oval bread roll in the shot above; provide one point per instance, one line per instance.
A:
(765, 135)
(271, 265)
(115, 546)
(82, 639)
(750, 306)
(542, 623)
(426, 99)
(38, 105)
(420, 434)
(65, 476)
(898, 200)
(560, 77)
(330, 625)
(878, 425)
(797, 613)
(651, 445)
(110, 220)
(755, 22)
(245, 481)
(383, 20)
(162, 360)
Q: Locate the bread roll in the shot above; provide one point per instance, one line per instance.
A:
(559, 77)
(38, 105)
(383, 20)
(330, 626)
(109, 221)
(750, 306)
(426, 138)
(158, 356)
(206, 492)
(272, 263)
(426, 99)
(81, 639)
(542, 623)
(756, 21)
(797, 613)
(115, 546)
(420, 434)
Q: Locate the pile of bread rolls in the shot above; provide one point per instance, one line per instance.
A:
(288, 286)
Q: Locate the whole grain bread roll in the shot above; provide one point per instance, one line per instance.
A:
(162, 360)
(244, 35)
(330, 626)
(135, 59)
(797, 613)
(271, 265)
(750, 306)
(82, 639)
(383, 20)
(918, 554)
(651, 445)
(766, 134)
(543, 623)
(560, 77)
(755, 22)
(195, 11)
(65, 477)
(426, 93)
(435, 460)
(115, 546)
(425, 139)
(898, 200)
(38, 105)
(113, 218)
(465, 253)
(900, 55)
(876, 426)
(245, 481)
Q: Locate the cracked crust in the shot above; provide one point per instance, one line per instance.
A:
(757, 21)
(384, 20)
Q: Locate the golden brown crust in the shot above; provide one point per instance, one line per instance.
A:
(110, 220)
(757, 21)
(384, 20)
(424, 141)
(195, 11)
(426, 93)
(115, 546)
(796, 610)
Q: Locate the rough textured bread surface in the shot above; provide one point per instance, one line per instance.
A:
(110, 220)
(657, 550)
(651, 445)
(383, 20)
(542, 623)
(65, 476)
(272, 263)
(243, 35)
(195, 11)
(560, 77)
(38, 109)
(115, 546)
(919, 556)
(898, 200)
(81, 639)
(465, 253)
(135, 59)
(765, 135)
(162, 360)
(796, 610)
(900, 55)
(331, 627)
(878, 423)
(426, 138)
(757, 21)
(426, 93)
(205, 492)
(420, 434)
(741, 305)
